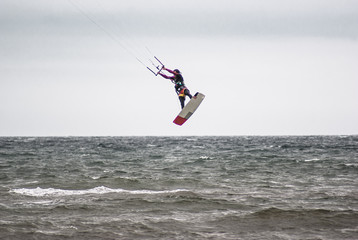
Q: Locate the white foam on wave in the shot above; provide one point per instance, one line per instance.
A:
(312, 160)
(351, 164)
(53, 192)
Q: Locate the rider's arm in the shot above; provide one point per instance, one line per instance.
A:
(165, 76)
(171, 71)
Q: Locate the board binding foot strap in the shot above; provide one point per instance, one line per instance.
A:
(189, 109)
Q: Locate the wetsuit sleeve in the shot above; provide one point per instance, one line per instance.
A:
(171, 71)
(165, 76)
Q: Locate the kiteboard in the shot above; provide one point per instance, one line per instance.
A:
(189, 109)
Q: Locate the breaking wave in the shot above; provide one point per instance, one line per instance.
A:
(53, 192)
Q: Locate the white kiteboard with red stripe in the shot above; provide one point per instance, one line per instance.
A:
(189, 109)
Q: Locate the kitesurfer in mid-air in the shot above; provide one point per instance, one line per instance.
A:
(178, 80)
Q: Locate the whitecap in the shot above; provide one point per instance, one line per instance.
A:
(192, 139)
(312, 160)
(351, 164)
(95, 177)
(199, 147)
(53, 192)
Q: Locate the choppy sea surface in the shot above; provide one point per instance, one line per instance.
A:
(302, 187)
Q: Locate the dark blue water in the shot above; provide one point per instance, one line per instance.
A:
(179, 188)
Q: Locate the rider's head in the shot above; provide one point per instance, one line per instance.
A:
(177, 71)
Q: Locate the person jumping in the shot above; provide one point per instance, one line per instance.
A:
(180, 88)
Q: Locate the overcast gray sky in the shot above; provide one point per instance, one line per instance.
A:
(267, 67)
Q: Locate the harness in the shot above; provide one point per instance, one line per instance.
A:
(181, 92)
(179, 85)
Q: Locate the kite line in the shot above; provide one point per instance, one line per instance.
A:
(152, 61)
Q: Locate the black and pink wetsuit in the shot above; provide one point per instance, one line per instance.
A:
(180, 88)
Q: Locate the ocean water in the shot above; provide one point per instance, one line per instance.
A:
(179, 188)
